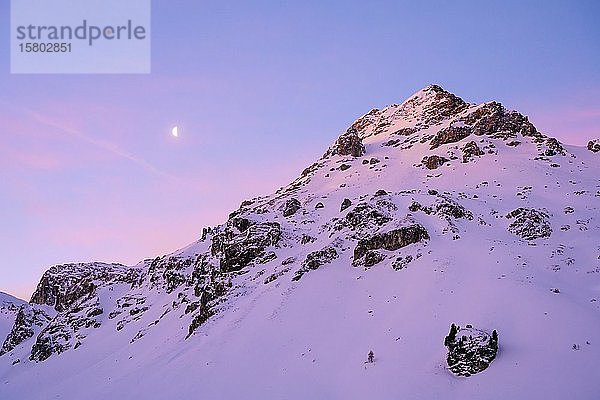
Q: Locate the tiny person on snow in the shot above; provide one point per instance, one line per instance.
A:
(370, 357)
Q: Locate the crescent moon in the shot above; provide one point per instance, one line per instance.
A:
(175, 131)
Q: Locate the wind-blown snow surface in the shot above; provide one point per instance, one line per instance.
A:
(269, 336)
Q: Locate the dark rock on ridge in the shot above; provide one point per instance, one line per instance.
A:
(349, 144)
(594, 145)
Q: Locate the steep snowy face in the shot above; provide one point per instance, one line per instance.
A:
(422, 214)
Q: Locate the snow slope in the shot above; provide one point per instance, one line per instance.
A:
(274, 306)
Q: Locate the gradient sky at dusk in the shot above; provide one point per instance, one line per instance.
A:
(89, 172)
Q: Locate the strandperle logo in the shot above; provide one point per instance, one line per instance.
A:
(85, 31)
(80, 36)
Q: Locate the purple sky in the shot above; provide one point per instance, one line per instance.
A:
(89, 171)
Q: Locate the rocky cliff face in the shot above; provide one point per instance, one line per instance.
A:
(63, 285)
(9, 309)
(433, 207)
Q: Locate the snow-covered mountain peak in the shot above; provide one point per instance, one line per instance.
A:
(423, 214)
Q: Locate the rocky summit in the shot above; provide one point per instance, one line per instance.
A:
(422, 214)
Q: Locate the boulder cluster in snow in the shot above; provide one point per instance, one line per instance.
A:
(470, 350)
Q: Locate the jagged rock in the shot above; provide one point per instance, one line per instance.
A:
(416, 206)
(50, 341)
(205, 232)
(200, 318)
(404, 131)
(315, 260)
(291, 206)
(529, 223)
(168, 272)
(344, 167)
(494, 120)
(470, 150)
(450, 134)
(345, 204)
(380, 192)
(553, 147)
(445, 206)
(237, 251)
(392, 240)
(312, 168)
(28, 320)
(362, 217)
(275, 276)
(210, 289)
(307, 239)
(366, 120)
(241, 224)
(433, 105)
(67, 329)
(594, 145)
(433, 161)
(319, 205)
(62, 285)
(349, 144)
(246, 203)
(470, 350)
(372, 257)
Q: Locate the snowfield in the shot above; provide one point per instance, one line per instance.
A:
(268, 306)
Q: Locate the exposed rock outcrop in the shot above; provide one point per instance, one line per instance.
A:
(450, 134)
(345, 204)
(443, 206)
(349, 144)
(28, 321)
(470, 151)
(62, 285)
(553, 147)
(433, 161)
(493, 119)
(529, 223)
(238, 250)
(315, 260)
(363, 217)
(291, 207)
(391, 240)
(470, 350)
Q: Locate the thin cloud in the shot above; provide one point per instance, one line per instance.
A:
(100, 144)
